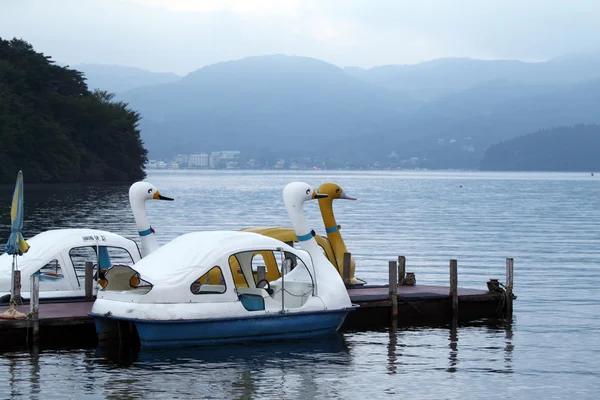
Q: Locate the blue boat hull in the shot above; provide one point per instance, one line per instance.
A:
(225, 330)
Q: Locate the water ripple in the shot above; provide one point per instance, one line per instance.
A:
(549, 223)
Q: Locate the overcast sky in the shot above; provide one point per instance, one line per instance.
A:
(183, 35)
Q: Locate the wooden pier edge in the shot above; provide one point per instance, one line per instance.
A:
(380, 305)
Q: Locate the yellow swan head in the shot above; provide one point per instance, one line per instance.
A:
(334, 191)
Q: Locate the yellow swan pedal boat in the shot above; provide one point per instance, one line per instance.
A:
(333, 245)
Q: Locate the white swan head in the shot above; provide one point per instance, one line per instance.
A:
(142, 191)
(139, 193)
(295, 194)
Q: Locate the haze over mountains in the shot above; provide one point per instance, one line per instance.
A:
(117, 78)
(439, 114)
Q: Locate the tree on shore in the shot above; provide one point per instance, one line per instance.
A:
(56, 130)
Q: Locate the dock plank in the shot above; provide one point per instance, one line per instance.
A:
(69, 313)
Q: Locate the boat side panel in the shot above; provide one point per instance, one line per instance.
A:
(198, 332)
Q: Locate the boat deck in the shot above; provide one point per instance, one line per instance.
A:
(416, 292)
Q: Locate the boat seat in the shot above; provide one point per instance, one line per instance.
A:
(253, 299)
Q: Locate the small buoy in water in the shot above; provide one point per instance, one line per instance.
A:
(461, 186)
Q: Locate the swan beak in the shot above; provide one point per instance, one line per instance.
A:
(158, 196)
(319, 195)
(346, 197)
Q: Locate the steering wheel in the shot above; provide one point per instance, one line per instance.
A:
(268, 288)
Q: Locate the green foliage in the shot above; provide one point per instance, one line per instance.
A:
(55, 130)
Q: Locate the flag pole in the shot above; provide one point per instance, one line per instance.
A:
(12, 279)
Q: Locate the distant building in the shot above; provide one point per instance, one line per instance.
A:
(215, 158)
(280, 164)
(198, 160)
(224, 158)
(230, 155)
(151, 164)
(181, 159)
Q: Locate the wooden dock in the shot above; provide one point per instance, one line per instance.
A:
(401, 302)
(69, 322)
(421, 305)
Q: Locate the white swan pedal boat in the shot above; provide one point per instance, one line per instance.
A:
(59, 256)
(185, 293)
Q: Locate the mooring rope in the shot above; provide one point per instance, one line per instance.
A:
(409, 280)
(495, 286)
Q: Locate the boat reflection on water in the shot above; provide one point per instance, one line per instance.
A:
(245, 370)
(287, 350)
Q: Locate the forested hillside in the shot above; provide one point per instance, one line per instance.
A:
(55, 130)
(559, 149)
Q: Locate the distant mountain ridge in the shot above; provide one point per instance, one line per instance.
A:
(290, 104)
(117, 78)
(293, 107)
(437, 78)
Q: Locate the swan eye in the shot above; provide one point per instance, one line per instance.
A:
(149, 190)
(307, 191)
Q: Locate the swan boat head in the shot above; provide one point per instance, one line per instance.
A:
(335, 191)
(331, 285)
(139, 193)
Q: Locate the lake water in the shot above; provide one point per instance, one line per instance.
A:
(549, 223)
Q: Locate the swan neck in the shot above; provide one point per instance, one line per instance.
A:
(326, 206)
(145, 231)
(302, 230)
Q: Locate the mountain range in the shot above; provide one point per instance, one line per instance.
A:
(439, 114)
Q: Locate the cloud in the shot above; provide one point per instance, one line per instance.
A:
(183, 35)
(255, 7)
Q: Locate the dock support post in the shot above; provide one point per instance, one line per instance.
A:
(346, 268)
(16, 295)
(89, 280)
(261, 273)
(34, 306)
(401, 269)
(394, 288)
(509, 288)
(454, 287)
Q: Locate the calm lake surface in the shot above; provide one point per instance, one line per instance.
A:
(549, 223)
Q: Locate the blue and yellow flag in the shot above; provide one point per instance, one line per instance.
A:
(16, 243)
